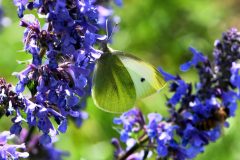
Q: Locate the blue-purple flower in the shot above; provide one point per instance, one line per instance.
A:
(38, 151)
(12, 151)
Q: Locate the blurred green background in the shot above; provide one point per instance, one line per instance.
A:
(159, 32)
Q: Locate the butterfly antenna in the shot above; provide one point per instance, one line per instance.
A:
(104, 45)
(113, 30)
(107, 31)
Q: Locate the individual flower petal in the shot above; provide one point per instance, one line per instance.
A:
(167, 76)
(45, 139)
(197, 57)
(63, 126)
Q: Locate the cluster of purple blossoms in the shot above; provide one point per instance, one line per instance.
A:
(37, 151)
(11, 151)
(9, 101)
(26, 147)
(197, 112)
(12, 104)
(63, 56)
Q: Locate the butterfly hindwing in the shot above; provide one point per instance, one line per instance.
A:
(146, 78)
(113, 88)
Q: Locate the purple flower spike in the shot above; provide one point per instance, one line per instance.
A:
(63, 52)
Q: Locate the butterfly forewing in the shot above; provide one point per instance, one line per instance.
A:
(113, 87)
(146, 78)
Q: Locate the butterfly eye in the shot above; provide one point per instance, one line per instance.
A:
(142, 79)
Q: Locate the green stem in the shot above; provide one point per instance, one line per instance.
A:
(134, 148)
(29, 136)
(145, 154)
